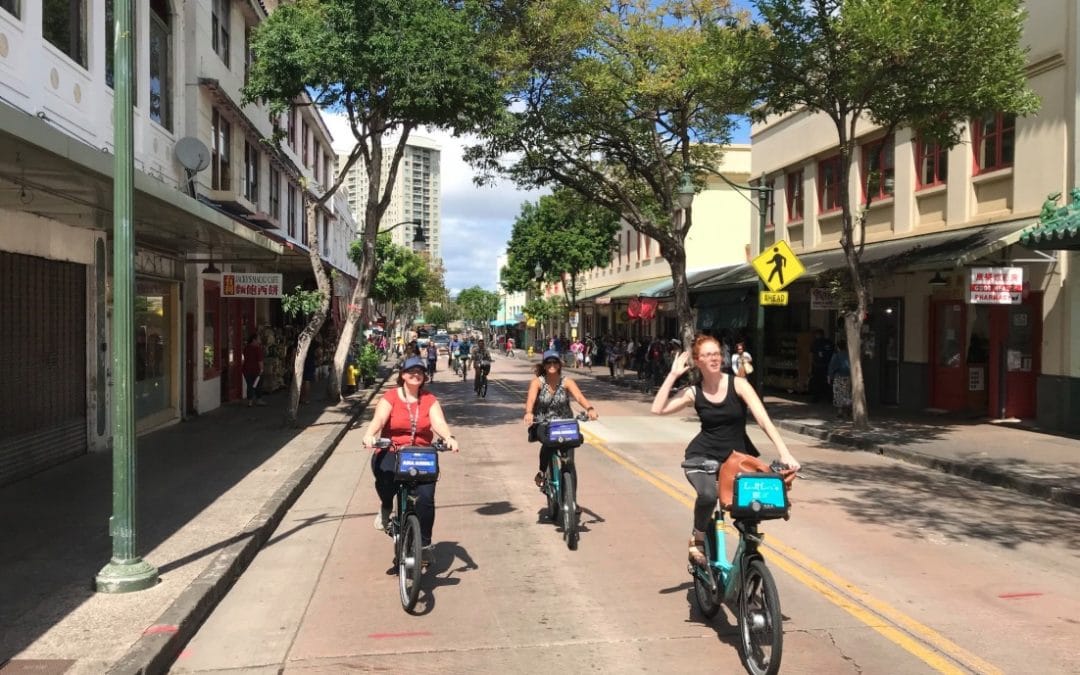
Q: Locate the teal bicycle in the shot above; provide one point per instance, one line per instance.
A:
(744, 583)
(558, 486)
(413, 466)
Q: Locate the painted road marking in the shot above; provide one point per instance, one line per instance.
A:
(902, 630)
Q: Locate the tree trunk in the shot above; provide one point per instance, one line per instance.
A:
(315, 323)
(853, 322)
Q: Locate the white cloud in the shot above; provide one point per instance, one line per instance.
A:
(476, 221)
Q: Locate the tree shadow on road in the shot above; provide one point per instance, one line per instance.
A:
(929, 503)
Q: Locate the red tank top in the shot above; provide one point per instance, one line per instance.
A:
(399, 426)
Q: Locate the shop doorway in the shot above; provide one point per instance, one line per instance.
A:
(948, 377)
(884, 349)
(1015, 336)
(238, 322)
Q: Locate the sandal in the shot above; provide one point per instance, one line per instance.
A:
(539, 479)
(697, 550)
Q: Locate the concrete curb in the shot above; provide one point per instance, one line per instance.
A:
(160, 644)
(1056, 491)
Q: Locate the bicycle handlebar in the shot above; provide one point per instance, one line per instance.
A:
(384, 443)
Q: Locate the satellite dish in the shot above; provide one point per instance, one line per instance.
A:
(192, 154)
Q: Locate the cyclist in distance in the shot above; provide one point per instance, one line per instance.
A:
(408, 416)
(721, 401)
(480, 353)
(548, 399)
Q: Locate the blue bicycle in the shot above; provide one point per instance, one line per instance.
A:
(744, 583)
(413, 465)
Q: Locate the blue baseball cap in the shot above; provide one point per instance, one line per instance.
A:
(552, 354)
(413, 362)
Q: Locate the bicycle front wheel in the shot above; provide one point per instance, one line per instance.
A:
(410, 564)
(483, 388)
(569, 511)
(552, 496)
(761, 629)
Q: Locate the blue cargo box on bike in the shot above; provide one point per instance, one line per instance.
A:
(560, 433)
(762, 496)
(416, 464)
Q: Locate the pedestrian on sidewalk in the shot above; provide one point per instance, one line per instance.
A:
(253, 368)
(721, 401)
(840, 379)
(409, 416)
(741, 361)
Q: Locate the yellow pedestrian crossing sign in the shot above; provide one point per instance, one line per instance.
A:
(778, 266)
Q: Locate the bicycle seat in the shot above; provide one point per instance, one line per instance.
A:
(701, 464)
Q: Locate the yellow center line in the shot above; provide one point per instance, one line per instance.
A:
(897, 627)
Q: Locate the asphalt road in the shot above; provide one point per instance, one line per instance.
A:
(884, 567)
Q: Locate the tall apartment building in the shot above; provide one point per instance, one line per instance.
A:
(231, 205)
(416, 197)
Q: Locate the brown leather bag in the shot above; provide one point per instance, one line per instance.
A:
(736, 463)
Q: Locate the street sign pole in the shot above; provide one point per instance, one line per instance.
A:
(126, 571)
(759, 333)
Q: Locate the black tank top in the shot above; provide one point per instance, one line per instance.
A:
(723, 425)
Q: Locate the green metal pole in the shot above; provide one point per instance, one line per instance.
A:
(126, 571)
(759, 334)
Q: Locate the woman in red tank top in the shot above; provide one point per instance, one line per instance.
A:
(407, 415)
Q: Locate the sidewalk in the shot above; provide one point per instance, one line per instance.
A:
(1020, 458)
(211, 490)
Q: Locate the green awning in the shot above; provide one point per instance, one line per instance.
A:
(590, 293)
(1057, 230)
(647, 288)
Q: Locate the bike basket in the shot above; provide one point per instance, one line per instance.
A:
(560, 433)
(420, 465)
(759, 495)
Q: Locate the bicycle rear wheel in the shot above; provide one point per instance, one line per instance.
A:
(761, 630)
(410, 567)
(483, 387)
(569, 511)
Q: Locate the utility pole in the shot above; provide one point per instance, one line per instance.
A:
(126, 571)
(763, 195)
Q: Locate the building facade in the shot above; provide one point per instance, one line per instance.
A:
(212, 200)
(944, 225)
(416, 197)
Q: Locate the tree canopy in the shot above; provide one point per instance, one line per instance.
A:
(616, 100)
(565, 235)
(477, 305)
(401, 275)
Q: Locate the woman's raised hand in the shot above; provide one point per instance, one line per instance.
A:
(680, 364)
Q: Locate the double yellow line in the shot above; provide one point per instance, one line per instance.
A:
(920, 640)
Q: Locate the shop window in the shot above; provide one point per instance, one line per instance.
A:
(879, 170)
(161, 85)
(63, 24)
(931, 163)
(793, 195)
(11, 7)
(110, 50)
(829, 184)
(153, 318)
(219, 28)
(211, 329)
(994, 140)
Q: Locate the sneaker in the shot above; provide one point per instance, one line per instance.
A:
(382, 518)
(697, 551)
(539, 479)
(426, 556)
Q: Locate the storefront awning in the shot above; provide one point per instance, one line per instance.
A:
(646, 288)
(592, 293)
(936, 251)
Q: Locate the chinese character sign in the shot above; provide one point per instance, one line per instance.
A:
(251, 286)
(996, 286)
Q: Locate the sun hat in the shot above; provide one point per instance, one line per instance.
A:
(413, 362)
(552, 354)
